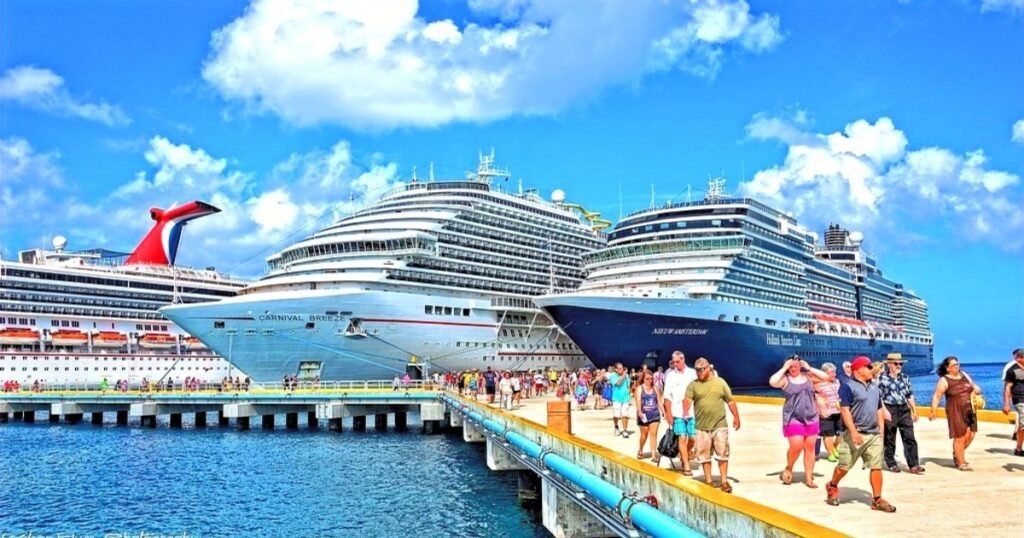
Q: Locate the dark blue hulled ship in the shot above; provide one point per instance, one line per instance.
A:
(742, 284)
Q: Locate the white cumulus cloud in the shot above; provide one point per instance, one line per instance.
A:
(42, 89)
(866, 177)
(1016, 6)
(1018, 132)
(381, 65)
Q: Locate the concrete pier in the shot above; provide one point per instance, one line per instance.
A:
(222, 420)
(564, 518)
(959, 503)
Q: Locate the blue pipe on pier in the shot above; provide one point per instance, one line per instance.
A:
(643, 516)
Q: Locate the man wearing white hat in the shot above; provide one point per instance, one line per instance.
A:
(898, 397)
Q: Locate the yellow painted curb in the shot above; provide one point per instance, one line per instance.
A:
(770, 516)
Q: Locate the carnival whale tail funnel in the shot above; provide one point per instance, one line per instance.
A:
(160, 246)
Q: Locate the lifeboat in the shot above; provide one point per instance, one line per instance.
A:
(109, 339)
(68, 338)
(18, 336)
(158, 341)
(194, 343)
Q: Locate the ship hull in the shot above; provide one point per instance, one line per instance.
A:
(311, 334)
(643, 332)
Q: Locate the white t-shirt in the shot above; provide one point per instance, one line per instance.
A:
(675, 389)
(516, 384)
(505, 385)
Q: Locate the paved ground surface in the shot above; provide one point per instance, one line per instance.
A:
(943, 501)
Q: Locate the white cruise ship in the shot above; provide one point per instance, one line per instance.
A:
(436, 276)
(73, 318)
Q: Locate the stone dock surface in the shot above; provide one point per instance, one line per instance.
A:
(942, 501)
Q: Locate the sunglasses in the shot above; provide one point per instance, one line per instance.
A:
(701, 369)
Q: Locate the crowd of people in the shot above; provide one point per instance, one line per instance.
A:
(857, 414)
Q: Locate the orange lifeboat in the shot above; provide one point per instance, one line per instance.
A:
(109, 339)
(158, 341)
(194, 343)
(68, 338)
(18, 336)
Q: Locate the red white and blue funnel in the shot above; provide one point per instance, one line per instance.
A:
(160, 246)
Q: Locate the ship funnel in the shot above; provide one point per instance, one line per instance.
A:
(160, 246)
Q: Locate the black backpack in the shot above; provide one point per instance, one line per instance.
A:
(668, 447)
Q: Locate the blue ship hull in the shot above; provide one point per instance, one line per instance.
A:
(744, 355)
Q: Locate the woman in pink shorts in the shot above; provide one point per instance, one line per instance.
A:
(799, 415)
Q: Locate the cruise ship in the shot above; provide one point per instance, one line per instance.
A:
(79, 317)
(435, 276)
(742, 284)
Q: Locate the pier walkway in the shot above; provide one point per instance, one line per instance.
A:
(942, 501)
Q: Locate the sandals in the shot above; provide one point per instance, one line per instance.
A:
(786, 476)
(811, 485)
(964, 467)
(687, 472)
(726, 488)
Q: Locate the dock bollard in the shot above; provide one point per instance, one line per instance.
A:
(560, 416)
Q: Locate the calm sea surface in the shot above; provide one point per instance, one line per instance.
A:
(987, 376)
(86, 480)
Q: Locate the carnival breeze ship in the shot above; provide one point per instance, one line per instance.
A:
(436, 273)
(79, 317)
(742, 284)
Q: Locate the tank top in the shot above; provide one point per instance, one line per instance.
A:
(800, 403)
(649, 404)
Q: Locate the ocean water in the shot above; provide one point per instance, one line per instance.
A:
(987, 376)
(85, 480)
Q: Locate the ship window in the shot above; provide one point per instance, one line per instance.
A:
(218, 324)
(310, 325)
(465, 311)
(447, 310)
(428, 309)
(736, 318)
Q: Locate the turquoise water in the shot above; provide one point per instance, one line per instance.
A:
(84, 479)
(987, 376)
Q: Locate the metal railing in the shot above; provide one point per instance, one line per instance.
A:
(254, 387)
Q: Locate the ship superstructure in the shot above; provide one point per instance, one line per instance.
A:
(77, 317)
(742, 284)
(436, 275)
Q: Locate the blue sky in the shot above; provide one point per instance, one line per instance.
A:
(902, 119)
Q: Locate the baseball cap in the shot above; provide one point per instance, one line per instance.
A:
(860, 362)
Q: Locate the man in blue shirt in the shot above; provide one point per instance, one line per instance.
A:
(490, 380)
(621, 396)
(860, 403)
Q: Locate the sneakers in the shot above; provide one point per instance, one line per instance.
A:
(917, 469)
(882, 505)
(832, 494)
(894, 468)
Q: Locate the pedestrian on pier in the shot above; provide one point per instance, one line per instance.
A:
(860, 402)
(958, 388)
(681, 420)
(1013, 392)
(800, 423)
(829, 418)
(708, 397)
(648, 414)
(621, 395)
(505, 388)
(490, 384)
(898, 398)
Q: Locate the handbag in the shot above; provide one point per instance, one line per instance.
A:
(977, 400)
(668, 446)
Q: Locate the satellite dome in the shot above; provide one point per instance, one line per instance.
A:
(856, 238)
(558, 196)
(60, 242)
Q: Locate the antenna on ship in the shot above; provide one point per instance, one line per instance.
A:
(716, 189)
(486, 170)
(431, 171)
(652, 196)
(414, 178)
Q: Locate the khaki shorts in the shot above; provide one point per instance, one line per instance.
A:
(870, 451)
(1020, 415)
(718, 440)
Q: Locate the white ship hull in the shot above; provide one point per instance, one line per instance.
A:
(269, 335)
